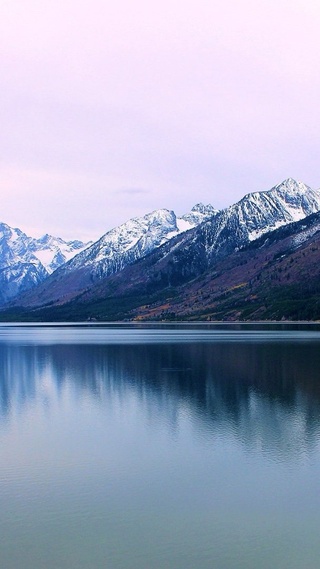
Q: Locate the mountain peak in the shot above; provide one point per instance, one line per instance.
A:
(290, 184)
(26, 261)
(218, 234)
(199, 213)
(201, 208)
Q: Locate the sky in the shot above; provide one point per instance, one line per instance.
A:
(110, 110)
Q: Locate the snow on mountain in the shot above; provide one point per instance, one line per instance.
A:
(119, 247)
(198, 214)
(293, 201)
(133, 240)
(200, 238)
(53, 252)
(25, 261)
(258, 213)
(183, 260)
(190, 254)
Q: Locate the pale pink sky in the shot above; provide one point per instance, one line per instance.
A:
(112, 109)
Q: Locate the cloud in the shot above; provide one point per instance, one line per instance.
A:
(132, 191)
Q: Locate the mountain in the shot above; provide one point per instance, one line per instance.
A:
(258, 213)
(275, 277)
(115, 250)
(178, 256)
(53, 252)
(26, 262)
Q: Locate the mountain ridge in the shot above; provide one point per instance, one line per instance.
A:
(118, 247)
(180, 249)
(27, 261)
(178, 257)
(275, 277)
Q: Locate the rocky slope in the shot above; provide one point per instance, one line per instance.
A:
(256, 214)
(275, 277)
(26, 262)
(187, 278)
(115, 250)
(186, 254)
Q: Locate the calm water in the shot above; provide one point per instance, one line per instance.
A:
(159, 447)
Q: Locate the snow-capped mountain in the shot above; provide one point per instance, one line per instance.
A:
(118, 248)
(134, 239)
(187, 245)
(275, 277)
(25, 261)
(53, 252)
(211, 262)
(197, 215)
(235, 227)
(258, 213)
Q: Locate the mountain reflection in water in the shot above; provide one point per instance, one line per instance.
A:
(266, 394)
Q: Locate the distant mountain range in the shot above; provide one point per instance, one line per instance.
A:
(237, 263)
(25, 261)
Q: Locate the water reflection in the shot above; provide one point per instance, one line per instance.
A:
(267, 395)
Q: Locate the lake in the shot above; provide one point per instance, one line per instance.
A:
(159, 447)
